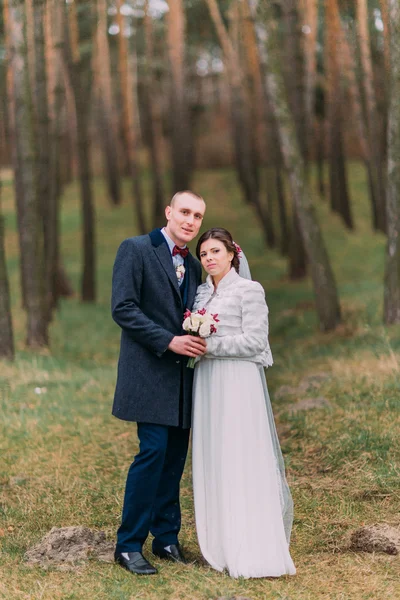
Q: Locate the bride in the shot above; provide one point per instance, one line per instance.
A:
(243, 506)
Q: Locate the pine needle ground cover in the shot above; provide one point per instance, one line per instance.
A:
(64, 458)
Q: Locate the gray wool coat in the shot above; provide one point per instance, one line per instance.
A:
(153, 383)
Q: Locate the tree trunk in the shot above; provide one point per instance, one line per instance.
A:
(297, 253)
(310, 30)
(339, 195)
(371, 113)
(326, 297)
(349, 69)
(283, 221)
(55, 45)
(258, 123)
(29, 206)
(129, 113)
(154, 124)
(79, 74)
(17, 171)
(392, 274)
(6, 337)
(293, 70)
(180, 134)
(108, 119)
(45, 161)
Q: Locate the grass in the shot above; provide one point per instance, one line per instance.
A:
(64, 458)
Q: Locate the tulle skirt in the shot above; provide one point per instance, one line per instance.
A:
(243, 505)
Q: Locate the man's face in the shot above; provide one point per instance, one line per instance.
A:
(184, 218)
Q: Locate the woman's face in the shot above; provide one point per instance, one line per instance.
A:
(215, 258)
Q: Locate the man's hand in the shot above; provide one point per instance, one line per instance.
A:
(188, 345)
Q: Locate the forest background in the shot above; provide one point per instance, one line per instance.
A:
(285, 116)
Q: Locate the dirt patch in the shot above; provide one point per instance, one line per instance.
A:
(376, 538)
(67, 546)
(309, 403)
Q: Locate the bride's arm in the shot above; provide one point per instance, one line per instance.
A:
(254, 338)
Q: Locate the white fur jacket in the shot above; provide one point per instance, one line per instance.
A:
(243, 315)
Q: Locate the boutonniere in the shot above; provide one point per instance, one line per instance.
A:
(180, 272)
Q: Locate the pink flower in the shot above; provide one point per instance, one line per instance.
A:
(202, 311)
(187, 314)
(238, 249)
(215, 317)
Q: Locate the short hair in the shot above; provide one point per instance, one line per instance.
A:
(175, 196)
(222, 235)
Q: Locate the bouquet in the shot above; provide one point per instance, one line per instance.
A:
(200, 324)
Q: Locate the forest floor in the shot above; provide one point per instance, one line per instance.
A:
(64, 458)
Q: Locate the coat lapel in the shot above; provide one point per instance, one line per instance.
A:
(163, 254)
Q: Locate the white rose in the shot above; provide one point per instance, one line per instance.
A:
(196, 322)
(187, 325)
(204, 330)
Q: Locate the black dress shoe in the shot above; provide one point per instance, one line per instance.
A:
(172, 553)
(136, 563)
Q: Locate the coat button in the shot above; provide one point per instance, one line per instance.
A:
(177, 362)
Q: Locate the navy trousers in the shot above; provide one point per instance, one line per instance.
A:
(151, 502)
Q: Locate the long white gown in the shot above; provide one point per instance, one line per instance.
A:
(243, 506)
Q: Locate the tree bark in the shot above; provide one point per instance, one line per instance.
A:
(108, 119)
(325, 291)
(349, 70)
(293, 69)
(392, 274)
(78, 64)
(339, 194)
(258, 123)
(56, 90)
(154, 125)
(6, 329)
(45, 161)
(310, 22)
(129, 113)
(372, 121)
(29, 205)
(180, 122)
(292, 60)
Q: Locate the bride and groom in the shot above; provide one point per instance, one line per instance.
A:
(243, 506)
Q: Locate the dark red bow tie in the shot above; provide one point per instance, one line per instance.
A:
(182, 251)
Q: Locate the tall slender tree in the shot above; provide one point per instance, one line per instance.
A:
(29, 205)
(326, 297)
(372, 120)
(339, 193)
(309, 13)
(180, 122)
(153, 121)
(6, 337)
(78, 60)
(392, 275)
(349, 72)
(129, 115)
(257, 110)
(107, 112)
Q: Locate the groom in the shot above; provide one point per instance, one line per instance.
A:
(155, 279)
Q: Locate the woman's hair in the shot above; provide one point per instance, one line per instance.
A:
(223, 235)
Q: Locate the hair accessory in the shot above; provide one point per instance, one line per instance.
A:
(238, 249)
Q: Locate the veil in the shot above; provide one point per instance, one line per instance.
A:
(285, 496)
